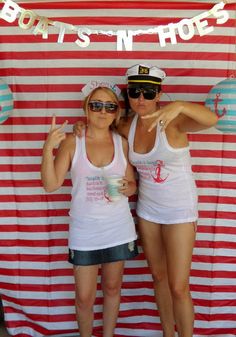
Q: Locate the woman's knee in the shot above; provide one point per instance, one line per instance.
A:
(84, 302)
(111, 288)
(159, 275)
(179, 290)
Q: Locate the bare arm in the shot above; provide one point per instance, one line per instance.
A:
(124, 126)
(53, 171)
(189, 117)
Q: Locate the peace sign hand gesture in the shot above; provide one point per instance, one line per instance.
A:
(56, 134)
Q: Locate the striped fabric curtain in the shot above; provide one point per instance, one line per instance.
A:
(46, 77)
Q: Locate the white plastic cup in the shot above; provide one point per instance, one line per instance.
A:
(113, 185)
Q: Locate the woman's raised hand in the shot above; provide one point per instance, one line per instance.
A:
(78, 128)
(165, 115)
(56, 134)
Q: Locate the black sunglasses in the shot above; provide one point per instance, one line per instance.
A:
(148, 93)
(97, 106)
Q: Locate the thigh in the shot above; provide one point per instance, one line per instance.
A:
(152, 243)
(112, 274)
(179, 242)
(86, 281)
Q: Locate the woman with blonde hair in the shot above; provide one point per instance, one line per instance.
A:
(102, 231)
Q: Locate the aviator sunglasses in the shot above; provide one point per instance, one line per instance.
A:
(148, 93)
(97, 106)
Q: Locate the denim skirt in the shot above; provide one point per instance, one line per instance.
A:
(125, 251)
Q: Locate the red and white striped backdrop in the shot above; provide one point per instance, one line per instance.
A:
(36, 282)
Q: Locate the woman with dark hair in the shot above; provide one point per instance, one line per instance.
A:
(167, 195)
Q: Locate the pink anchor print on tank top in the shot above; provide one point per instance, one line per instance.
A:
(158, 173)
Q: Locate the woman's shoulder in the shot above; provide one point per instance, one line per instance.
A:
(126, 120)
(70, 138)
(117, 135)
(69, 141)
(124, 126)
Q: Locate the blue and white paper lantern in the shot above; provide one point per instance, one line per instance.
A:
(6, 101)
(222, 100)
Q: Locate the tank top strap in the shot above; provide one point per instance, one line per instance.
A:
(79, 146)
(132, 132)
(161, 136)
(118, 147)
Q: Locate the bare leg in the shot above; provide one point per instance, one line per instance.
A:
(85, 286)
(111, 285)
(151, 237)
(179, 241)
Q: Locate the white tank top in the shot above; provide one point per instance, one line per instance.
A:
(167, 190)
(96, 222)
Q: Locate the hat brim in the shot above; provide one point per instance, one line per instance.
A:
(144, 79)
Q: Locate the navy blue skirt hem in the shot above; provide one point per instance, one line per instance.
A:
(92, 257)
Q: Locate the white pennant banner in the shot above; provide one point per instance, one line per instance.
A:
(28, 19)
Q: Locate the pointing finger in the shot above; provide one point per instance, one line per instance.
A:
(64, 124)
(60, 128)
(149, 116)
(152, 126)
(53, 125)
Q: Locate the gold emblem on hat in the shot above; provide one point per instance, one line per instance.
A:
(143, 70)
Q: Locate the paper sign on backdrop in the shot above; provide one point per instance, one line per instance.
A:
(185, 28)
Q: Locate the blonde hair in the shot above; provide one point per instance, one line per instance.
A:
(113, 97)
